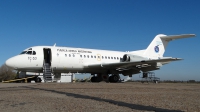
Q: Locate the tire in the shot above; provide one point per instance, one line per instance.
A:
(115, 78)
(28, 80)
(38, 80)
(110, 79)
(93, 79)
(97, 79)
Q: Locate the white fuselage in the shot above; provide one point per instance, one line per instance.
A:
(65, 59)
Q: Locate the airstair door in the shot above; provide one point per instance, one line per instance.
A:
(47, 55)
(47, 64)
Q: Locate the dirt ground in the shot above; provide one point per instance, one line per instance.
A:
(99, 97)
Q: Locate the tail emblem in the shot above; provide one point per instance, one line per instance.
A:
(156, 48)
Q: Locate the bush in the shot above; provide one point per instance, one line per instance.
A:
(7, 73)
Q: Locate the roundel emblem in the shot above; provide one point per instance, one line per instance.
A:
(156, 49)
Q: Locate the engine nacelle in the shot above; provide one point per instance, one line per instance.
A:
(131, 57)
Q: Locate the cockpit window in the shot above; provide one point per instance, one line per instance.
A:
(29, 52)
(23, 52)
(34, 53)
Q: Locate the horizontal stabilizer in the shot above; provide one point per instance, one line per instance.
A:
(173, 37)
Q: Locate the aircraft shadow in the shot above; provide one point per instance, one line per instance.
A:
(118, 103)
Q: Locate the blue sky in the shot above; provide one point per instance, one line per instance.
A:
(104, 24)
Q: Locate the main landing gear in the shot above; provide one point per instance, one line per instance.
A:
(95, 79)
(106, 78)
(114, 78)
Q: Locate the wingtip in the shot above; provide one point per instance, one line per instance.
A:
(178, 58)
(194, 35)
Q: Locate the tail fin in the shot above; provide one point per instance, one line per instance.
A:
(157, 47)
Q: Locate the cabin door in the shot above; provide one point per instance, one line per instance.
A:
(47, 55)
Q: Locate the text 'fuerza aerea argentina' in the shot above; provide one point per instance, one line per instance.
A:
(75, 51)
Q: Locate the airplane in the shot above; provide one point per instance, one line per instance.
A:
(103, 65)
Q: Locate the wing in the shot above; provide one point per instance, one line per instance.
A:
(125, 65)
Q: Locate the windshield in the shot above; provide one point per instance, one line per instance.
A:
(23, 52)
(28, 52)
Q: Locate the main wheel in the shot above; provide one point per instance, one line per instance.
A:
(93, 79)
(115, 78)
(110, 79)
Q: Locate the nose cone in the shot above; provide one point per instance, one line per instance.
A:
(10, 62)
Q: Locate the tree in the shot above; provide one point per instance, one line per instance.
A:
(7, 73)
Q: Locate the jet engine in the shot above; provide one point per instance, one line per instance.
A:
(126, 58)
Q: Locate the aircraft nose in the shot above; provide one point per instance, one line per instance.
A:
(10, 62)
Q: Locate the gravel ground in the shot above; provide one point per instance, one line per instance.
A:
(99, 97)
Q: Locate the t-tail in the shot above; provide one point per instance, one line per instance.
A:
(157, 47)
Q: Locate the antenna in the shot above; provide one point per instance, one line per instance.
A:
(54, 45)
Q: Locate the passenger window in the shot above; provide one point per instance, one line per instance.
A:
(114, 57)
(117, 58)
(87, 56)
(91, 56)
(81, 56)
(84, 56)
(69, 55)
(102, 57)
(65, 55)
(106, 57)
(73, 55)
(94, 56)
(111, 57)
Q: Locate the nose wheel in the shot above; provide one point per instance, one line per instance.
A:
(38, 80)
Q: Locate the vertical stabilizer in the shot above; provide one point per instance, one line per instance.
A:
(157, 47)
